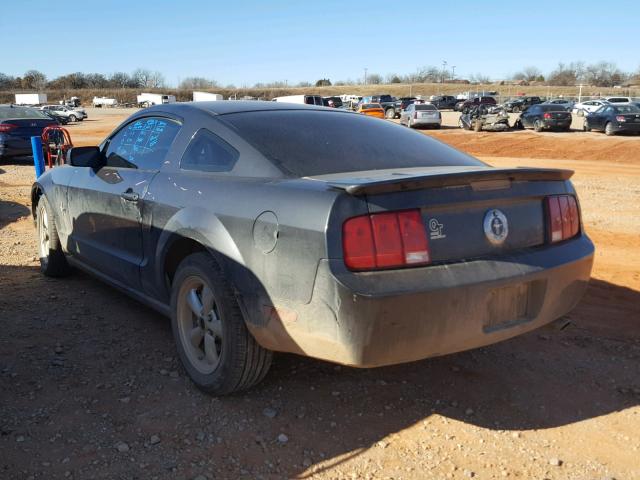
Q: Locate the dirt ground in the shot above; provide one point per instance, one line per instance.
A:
(91, 386)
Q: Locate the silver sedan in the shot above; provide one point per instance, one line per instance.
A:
(421, 115)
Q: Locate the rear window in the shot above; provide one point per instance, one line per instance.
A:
(309, 143)
(426, 107)
(552, 108)
(21, 112)
(626, 109)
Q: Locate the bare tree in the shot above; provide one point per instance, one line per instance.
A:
(145, 78)
(35, 80)
(192, 83)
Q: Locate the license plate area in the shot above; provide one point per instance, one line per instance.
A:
(512, 305)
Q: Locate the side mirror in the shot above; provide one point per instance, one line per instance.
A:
(85, 157)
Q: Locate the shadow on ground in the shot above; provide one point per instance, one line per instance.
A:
(11, 211)
(114, 348)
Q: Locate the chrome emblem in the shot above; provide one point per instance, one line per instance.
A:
(496, 227)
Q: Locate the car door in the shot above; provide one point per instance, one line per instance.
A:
(596, 119)
(105, 206)
(408, 112)
(525, 117)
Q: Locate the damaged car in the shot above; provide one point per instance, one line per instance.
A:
(261, 227)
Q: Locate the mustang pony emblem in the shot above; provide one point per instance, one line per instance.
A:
(496, 227)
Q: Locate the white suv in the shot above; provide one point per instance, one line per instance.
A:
(75, 114)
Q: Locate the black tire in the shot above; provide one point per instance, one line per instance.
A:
(73, 118)
(538, 126)
(608, 129)
(409, 123)
(53, 262)
(437, 126)
(515, 109)
(242, 363)
(389, 114)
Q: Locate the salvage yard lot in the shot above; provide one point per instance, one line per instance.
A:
(91, 387)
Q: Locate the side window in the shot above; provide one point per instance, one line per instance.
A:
(142, 144)
(209, 153)
(309, 100)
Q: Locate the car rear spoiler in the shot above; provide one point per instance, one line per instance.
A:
(482, 178)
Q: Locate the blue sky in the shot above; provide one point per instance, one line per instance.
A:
(245, 42)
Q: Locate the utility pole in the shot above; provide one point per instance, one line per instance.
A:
(365, 75)
(444, 66)
(453, 72)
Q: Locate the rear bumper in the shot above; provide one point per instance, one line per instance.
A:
(627, 127)
(14, 146)
(384, 318)
(426, 121)
(557, 123)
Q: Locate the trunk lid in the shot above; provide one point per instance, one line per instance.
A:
(467, 212)
(28, 127)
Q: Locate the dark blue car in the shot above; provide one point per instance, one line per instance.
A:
(17, 126)
(612, 119)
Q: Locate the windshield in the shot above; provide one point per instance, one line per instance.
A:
(309, 143)
(21, 112)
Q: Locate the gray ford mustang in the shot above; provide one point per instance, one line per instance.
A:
(260, 227)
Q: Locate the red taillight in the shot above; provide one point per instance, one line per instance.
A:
(7, 127)
(621, 118)
(385, 240)
(547, 115)
(563, 219)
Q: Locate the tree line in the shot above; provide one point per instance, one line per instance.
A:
(600, 74)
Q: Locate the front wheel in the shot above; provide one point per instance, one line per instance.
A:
(515, 109)
(608, 129)
(212, 340)
(53, 262)
(390, 113)
(73, 118)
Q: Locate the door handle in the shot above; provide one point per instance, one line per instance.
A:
(130, 196)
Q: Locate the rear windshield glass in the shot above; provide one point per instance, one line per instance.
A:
(21, 112)
(627, 109)
(425, 107)
(308, 143)
(386, 98)
(552, 108)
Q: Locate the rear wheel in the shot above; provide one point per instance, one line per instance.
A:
(538, 126)
(73, 118)
(515, 109)
(608, 129)
(389, 113)
(53, 263)
(212, 340)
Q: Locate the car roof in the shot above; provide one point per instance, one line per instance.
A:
(223, 107)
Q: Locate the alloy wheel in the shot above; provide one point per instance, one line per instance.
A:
(199, 324)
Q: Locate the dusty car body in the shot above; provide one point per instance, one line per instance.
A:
(260, 227)
(491, 119)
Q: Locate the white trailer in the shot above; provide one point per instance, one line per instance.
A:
(104, 102)
(155, 99)
(31, 98)
(207, 97)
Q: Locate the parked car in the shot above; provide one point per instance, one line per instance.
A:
(17, 126)
(545, 117)
(387, 102)
(614, 118)
(421, 115)
(588, 106)
(563, 102)
(483, 117)
(371, 109)
(260, 227)
(301, 99)
(60, 119)
(519, 104)
(333, 102)
(617, 99)
(466, 105)
(76, 114)
(443, 102)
